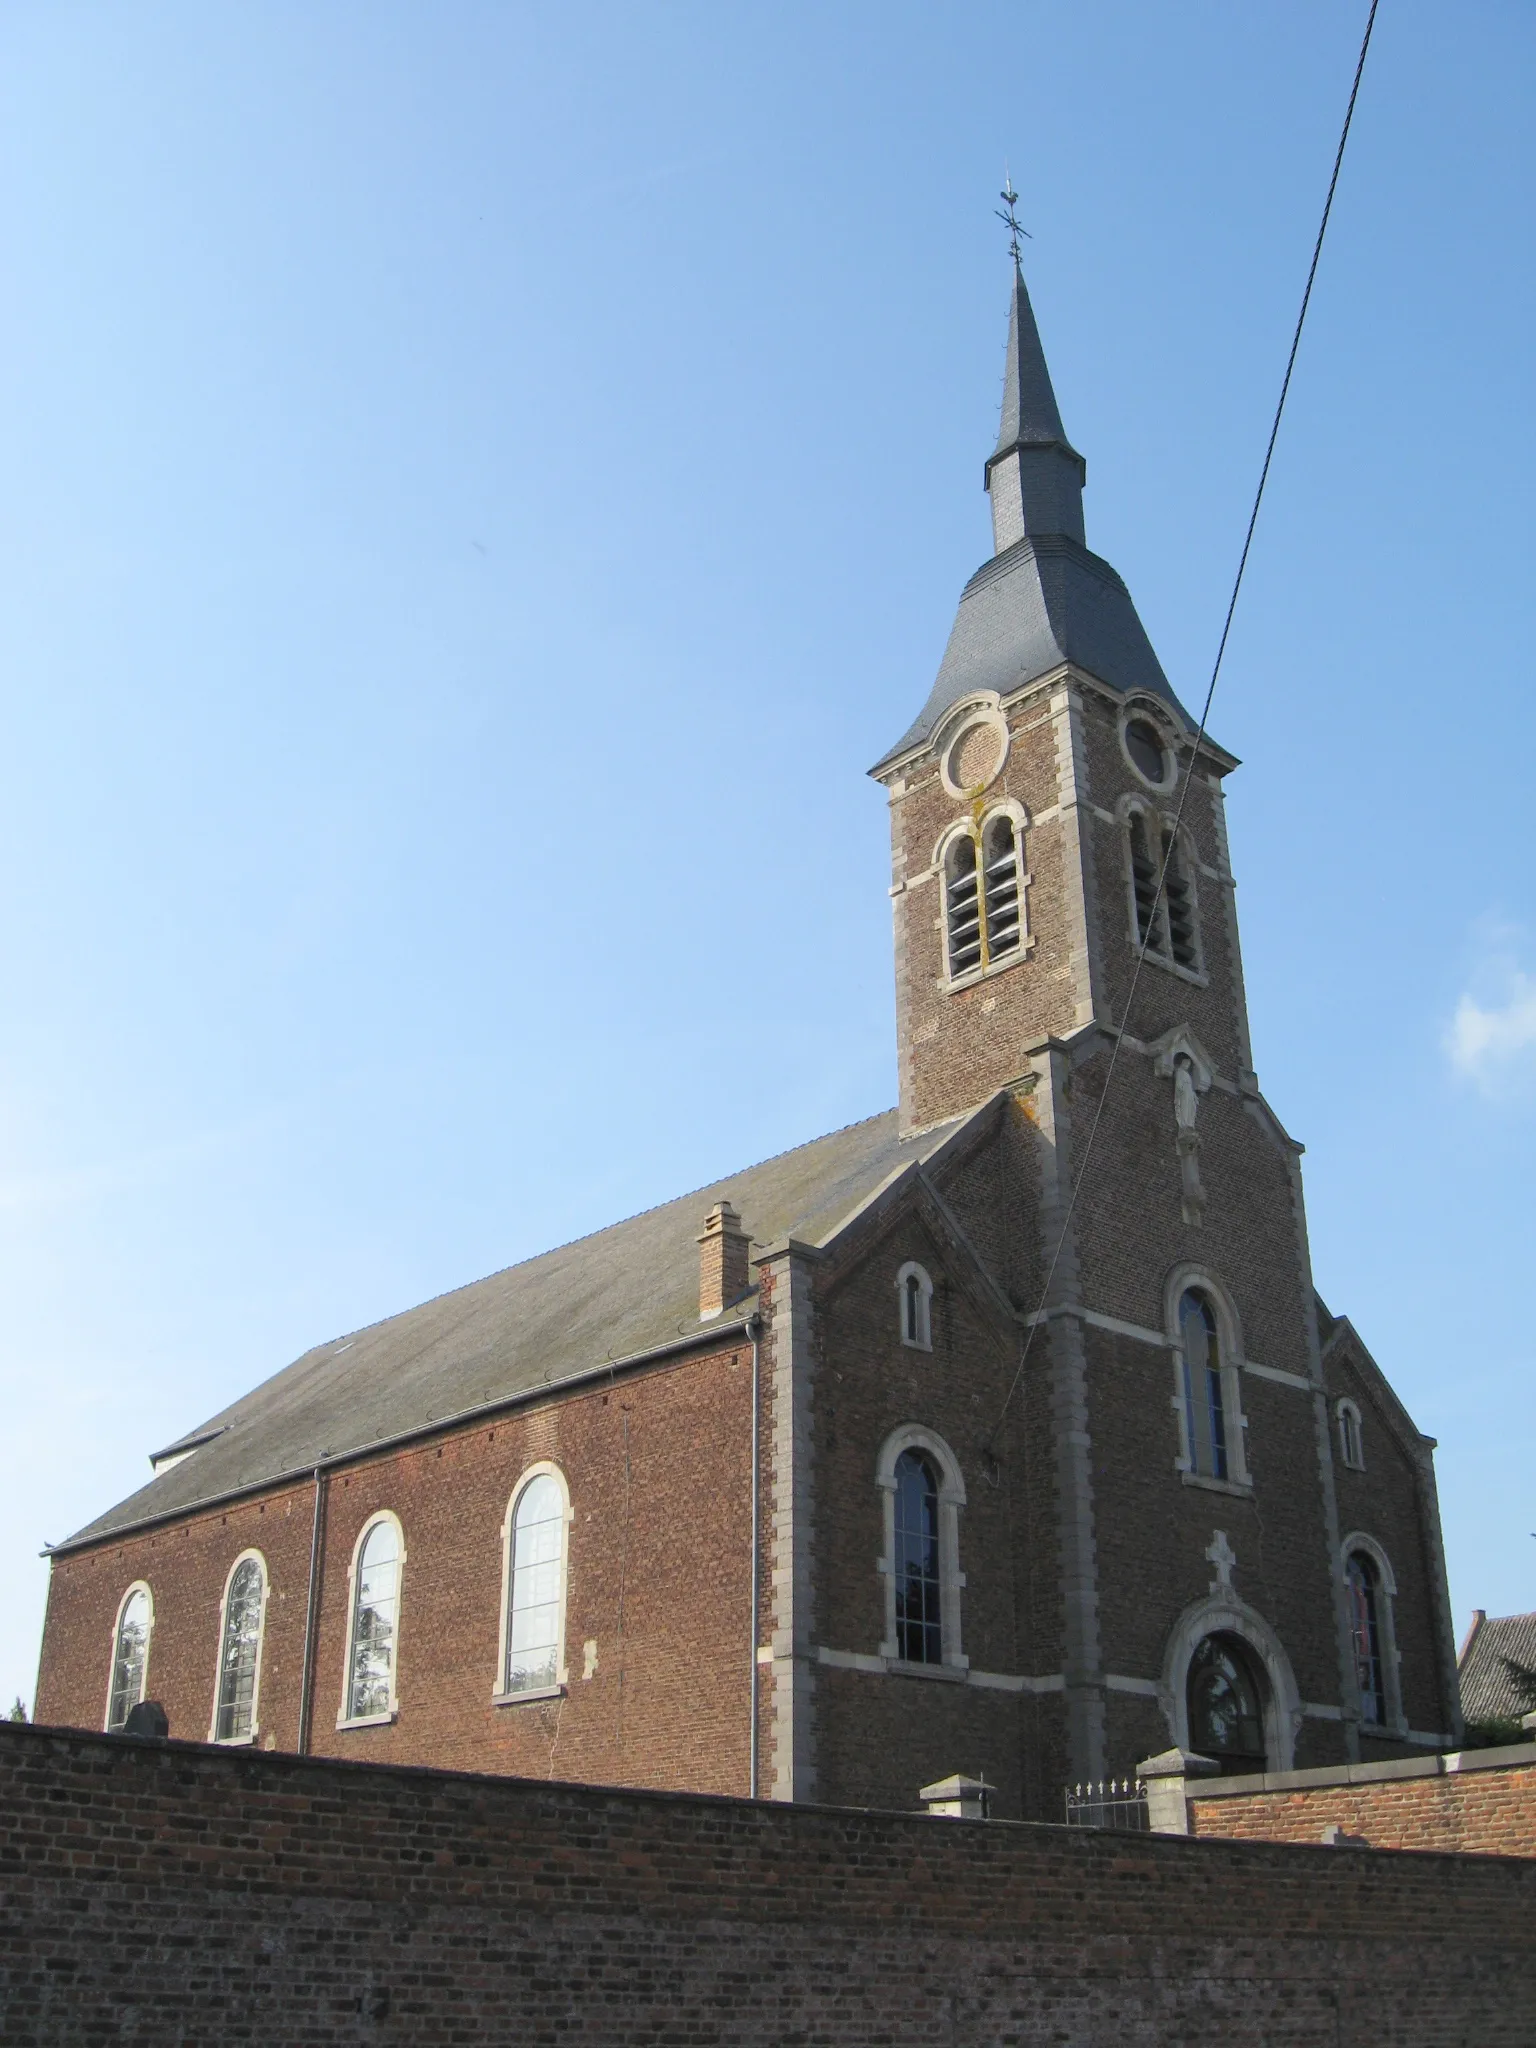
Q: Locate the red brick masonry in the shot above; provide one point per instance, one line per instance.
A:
(1480, 1802)
(177, 1893)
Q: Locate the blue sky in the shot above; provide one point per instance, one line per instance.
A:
(483, 483)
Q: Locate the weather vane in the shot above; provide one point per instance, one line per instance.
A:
(1011, 221)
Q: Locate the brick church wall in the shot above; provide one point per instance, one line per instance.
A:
(664, 1538)
(160, 1891)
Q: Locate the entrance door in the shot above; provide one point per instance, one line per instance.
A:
(1226, 1705)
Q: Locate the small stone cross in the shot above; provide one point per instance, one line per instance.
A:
(1223, 1556)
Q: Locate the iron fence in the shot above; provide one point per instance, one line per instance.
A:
(1119, 1803)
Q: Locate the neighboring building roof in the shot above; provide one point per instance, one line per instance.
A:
(1497, 1651)
(616, 1295)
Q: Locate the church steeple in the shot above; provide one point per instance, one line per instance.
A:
(1034, 475)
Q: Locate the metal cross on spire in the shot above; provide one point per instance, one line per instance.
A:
(1011, 221)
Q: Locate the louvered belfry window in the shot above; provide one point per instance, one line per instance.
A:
(1145, 862)
(1169, 927)
(984, 896)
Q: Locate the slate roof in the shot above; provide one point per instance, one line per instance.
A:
(1047, 599)
(1040, 603)
(618, 1294)
(1030, 416)
(1490, 1690)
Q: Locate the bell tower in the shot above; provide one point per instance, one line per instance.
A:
(1033, 800)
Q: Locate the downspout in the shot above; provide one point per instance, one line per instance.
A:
(754, 1328)
(311, 1612)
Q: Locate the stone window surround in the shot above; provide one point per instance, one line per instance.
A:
(1155, 715)
(970, 828)
(1395, 1727)
(912, 1436)
(1191, 866)
(1226, 1613)
(544, 1468)
(923, 1341)
(1345, 1408)
(392, 1712)
(1186, 1278)
(975, 715)
(138, 1586)
(241, 1741)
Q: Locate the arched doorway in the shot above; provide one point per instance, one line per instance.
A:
(1226, 1699)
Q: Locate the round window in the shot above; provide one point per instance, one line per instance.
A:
(1144, 744)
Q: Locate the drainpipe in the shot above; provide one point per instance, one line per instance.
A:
(311, 1612)
(754, 1328)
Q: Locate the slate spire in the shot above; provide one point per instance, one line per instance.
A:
(1034, 475)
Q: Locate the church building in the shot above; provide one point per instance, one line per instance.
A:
(900, 1454)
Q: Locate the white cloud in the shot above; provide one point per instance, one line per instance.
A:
(1493, 1043)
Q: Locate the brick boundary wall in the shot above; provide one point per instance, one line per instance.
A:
(1480, 1801)
(177, 1893)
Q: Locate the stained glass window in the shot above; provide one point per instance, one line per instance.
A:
(1365, 1629)
(919, 1633)
(1226, 1719)
(1204, 1398)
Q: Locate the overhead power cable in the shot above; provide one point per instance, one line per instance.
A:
(1171, 839)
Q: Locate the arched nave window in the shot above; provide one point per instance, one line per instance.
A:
(922, 1495)
(130, 1654)
(533, 1577)
(240, 1630)
(373, 1640)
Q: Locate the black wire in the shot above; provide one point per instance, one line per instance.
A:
(1221, 648)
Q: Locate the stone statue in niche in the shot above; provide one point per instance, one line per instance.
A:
(1186, 1102)
(1179, 1057)
(1186, 1107)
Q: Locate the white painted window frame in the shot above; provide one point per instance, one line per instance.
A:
(138, 1586)
(1395, 1726)
(913, 1436)
(544, 1469)
(1186, 1279)
(1347, 1412)
(923, 1341)
(241, 1741)
(343, 1718)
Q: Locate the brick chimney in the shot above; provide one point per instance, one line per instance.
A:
(723, 1272)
